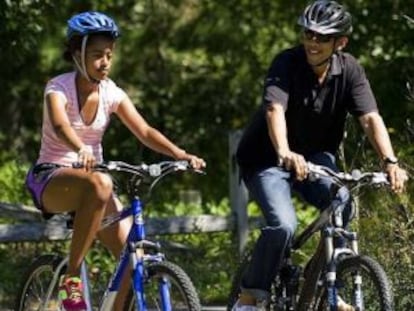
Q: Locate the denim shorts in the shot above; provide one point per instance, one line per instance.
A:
(37, 179)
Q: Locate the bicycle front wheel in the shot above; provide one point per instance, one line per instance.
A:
(37, 286)
(183, 296)
(362, 281)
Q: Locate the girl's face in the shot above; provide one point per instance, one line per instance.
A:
(98, 58)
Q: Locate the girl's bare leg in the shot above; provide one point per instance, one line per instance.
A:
(86, 193)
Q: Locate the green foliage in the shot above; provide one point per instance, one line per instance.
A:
(385, 220)
(386, 233)
(195, 70)
(12, 176)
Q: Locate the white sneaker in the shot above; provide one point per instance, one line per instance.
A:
(239, 307)
(343, 306)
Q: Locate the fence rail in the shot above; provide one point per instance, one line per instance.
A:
(32, 227)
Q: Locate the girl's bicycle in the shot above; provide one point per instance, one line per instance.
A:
(157, 283)
(333, 273)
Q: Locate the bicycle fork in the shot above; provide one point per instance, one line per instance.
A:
(332, 257)
(331, 290)
(138, 258)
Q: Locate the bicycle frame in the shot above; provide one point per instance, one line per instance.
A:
(133, 252)
(324, 259)
(318, 285)
(139, 256)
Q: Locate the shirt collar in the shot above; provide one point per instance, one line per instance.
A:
(336, 68)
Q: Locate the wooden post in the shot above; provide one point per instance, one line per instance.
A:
(238, 193)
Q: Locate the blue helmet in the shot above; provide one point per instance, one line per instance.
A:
(87, 23)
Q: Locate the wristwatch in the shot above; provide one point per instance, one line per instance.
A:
(390, 160)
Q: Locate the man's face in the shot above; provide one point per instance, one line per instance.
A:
(318, 47)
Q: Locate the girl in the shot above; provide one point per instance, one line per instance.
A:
(77, 109)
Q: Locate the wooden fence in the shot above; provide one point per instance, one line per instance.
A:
(29, 226)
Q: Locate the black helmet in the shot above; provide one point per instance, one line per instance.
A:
(326, 17)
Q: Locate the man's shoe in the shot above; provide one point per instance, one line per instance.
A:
(343, 306)
(239, 307)
(71, 294)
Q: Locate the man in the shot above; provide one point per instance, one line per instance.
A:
(308, 92)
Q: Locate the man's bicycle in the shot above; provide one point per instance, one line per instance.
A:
(334, 272)
(157, 283)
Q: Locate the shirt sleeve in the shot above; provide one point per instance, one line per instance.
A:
(362, 98)
(276, 84)
(116, 96)
(54, 87)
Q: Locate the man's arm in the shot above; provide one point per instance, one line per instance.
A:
(375, 129)
(276, 124)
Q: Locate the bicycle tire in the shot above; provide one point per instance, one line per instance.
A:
(36, 282)
(184, 296)
(376, 289)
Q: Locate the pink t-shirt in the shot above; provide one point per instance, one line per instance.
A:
(53, 149)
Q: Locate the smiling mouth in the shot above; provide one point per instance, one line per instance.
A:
(312, 52)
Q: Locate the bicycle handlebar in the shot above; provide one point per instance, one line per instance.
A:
(150, 174)
(152, 171)
(355, 177)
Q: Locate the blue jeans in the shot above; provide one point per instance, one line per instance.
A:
(272, 189)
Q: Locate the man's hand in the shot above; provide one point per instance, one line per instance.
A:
(398, 177)
(295, 162)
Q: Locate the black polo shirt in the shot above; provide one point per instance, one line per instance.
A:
(315, 114)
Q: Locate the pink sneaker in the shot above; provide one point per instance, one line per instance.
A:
(70, 294)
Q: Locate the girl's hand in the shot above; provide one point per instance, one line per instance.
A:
(86, 157)
(196, 162)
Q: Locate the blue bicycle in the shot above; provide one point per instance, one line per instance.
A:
(157, 283)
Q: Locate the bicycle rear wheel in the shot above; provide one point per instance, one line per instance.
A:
(374, 285)
(183, 296)
(36, 283)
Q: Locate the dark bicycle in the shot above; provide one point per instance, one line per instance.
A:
(158, 284)
(333, 272)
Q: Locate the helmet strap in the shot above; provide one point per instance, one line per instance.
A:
(82, 66)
